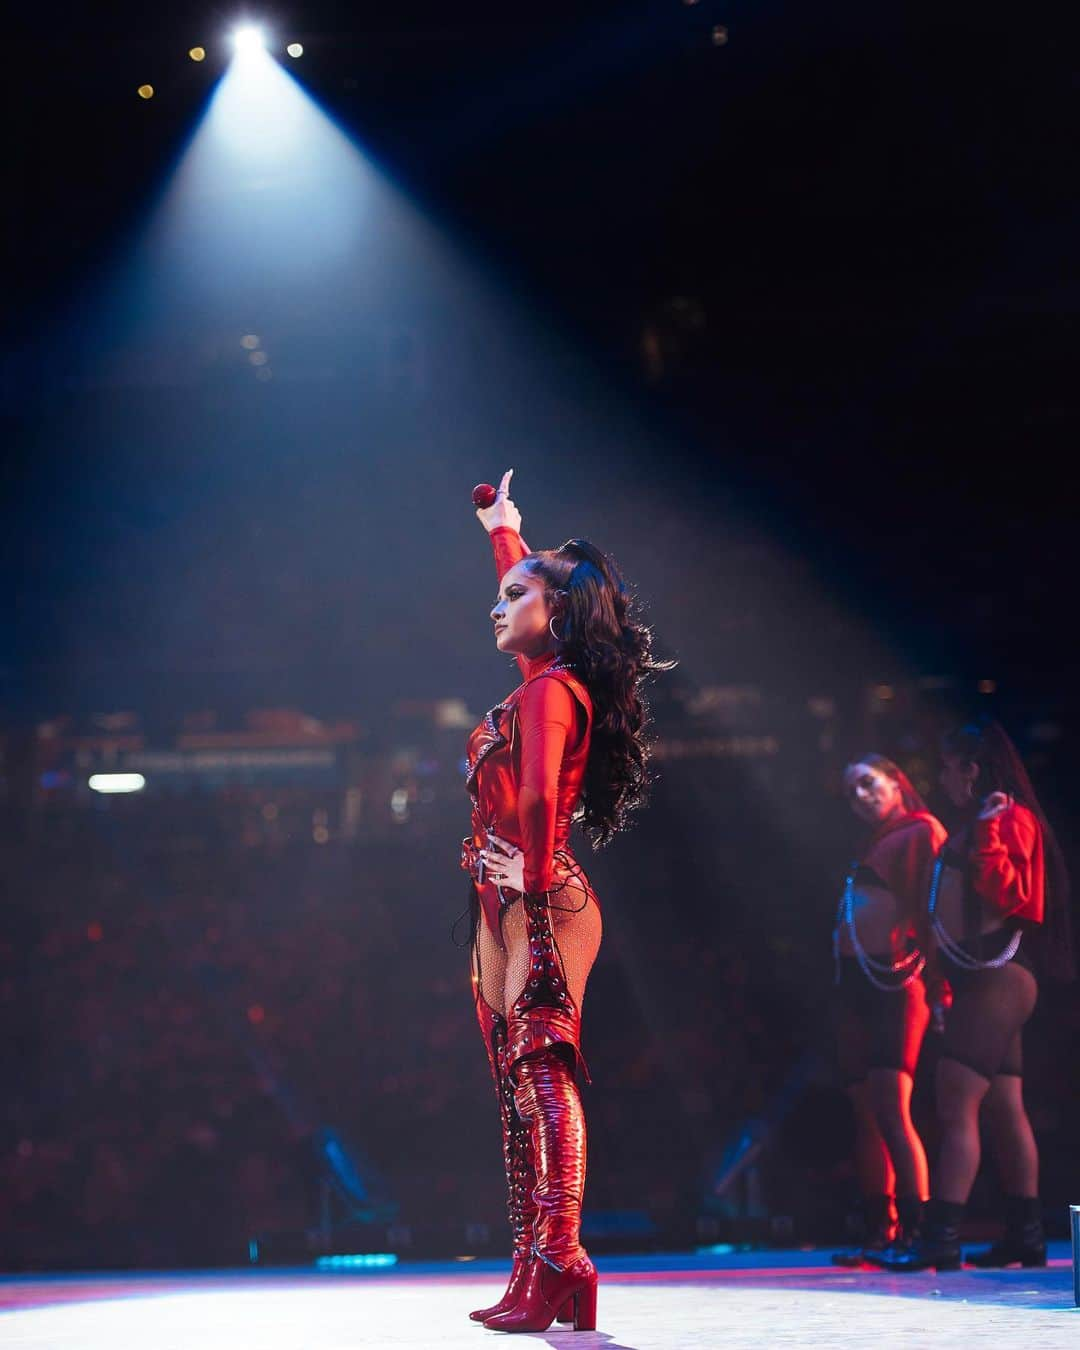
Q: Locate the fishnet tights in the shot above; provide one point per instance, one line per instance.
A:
(577, 927)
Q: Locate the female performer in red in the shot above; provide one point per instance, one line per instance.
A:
(881, 1010)
(566, 744)
(998, 911)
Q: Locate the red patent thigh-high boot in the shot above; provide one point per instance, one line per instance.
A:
(561, 1273)
(517, 1161)
(520, 1182)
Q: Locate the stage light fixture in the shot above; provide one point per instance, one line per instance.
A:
(197, 53)
(295, 49)
(249, 39)
(146, 91)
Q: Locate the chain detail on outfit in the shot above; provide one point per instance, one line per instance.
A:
(953, 949)
(1000, 862)
(904, 971)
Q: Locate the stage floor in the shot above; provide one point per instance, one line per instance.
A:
(646, 1303)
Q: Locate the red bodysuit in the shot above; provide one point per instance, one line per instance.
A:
(526, 765)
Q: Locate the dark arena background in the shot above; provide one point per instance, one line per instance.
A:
(777, 303)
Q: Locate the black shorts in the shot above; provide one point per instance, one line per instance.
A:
(875, 1028)
(983, 1028)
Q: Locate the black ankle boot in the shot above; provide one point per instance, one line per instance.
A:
(877, 1232)
(1024, 1240)
(937, 1244)
(911, 1211)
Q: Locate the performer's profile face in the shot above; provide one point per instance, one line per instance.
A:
(874, 796)
(958, 779)
(521, 614)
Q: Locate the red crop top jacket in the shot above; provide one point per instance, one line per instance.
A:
(901, 853)
(1006, 865)
(526, 765)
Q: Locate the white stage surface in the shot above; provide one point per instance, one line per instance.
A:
(647, 1303)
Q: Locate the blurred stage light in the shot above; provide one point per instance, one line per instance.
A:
(295, 49)
(248, 40)
(267, 188)
(146, 91)
(357, 1261)
(260, 119)
(197, 53)
(116, 782)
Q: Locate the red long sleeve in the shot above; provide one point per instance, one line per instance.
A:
(509, 548)
(546, 719)
(1003, 862)
(903, 854)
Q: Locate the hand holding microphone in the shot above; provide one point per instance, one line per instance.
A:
(494, 507)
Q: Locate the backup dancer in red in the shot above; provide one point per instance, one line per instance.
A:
(566, 745)
(880, 1008)
(998, 910)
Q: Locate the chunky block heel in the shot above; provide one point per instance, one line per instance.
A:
(585, 1308)
(549, 1292)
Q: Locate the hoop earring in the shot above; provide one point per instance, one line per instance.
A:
(551, 629)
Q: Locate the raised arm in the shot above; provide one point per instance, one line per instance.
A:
(502, 520)
(546, 720)
(509, 548)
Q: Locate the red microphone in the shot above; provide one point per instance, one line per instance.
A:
(483, 495)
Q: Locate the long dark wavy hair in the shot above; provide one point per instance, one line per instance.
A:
(986, 744)
(909, 793)
(604, 640)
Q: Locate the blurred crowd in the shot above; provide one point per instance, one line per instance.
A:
(190, 1001)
